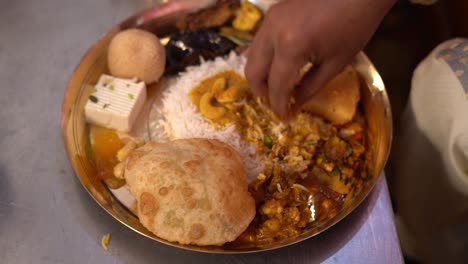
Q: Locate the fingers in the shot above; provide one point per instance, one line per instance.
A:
(312, 82)
(281, 81)
(243, 50)
(260, 56)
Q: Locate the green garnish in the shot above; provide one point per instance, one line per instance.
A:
(111, 87)
(106, 82)
(105, 106)
(93, 99)
(268, 142)
(236, 39)
(131, 96)
(128, 85)
(93, 90)
(335, 171)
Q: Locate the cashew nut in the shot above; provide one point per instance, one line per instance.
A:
(219, 86)
(208, 110)
(232, 106)
(232, 94)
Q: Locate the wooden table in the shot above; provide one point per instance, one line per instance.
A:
(45, 214)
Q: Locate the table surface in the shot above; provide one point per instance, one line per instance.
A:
(45, 214)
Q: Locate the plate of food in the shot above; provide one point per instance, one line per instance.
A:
(163, 131)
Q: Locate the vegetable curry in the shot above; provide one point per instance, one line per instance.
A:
(311, 168)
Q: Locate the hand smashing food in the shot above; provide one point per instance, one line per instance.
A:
(302, 157)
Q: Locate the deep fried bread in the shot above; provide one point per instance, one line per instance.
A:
(191, 191)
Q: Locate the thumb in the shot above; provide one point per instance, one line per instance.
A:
(243, 50)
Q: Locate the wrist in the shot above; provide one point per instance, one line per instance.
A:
(378, 6)
(383, 5)
(376, 9)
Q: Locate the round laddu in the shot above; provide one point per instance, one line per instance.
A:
(191, 191)
(136, 53)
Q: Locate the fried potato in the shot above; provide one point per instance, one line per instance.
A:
(337, 101)
(191, 191)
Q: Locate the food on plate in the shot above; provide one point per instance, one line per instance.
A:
(308, 179)
(180, 118)
(115, 103)
(188, 47)
(245, 24)
(218, 166)
(239, 37)
(248, 17)
(310, 166)
(338, 100)
(215, 95)
(211, 17)
(105, 143)
(123, 153)
(108, 148)
(136, 53)
(192, 191)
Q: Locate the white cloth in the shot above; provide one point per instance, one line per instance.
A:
(431, 157)
(439, 100)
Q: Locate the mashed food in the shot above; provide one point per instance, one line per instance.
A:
(191, 191)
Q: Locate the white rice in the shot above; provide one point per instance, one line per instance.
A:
(180, 119)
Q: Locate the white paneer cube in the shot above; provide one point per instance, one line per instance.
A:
(115, 103)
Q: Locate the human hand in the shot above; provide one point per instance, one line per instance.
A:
(326, 33)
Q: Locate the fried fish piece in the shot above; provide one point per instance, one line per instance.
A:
(337, 101)
(214, 16)
(190, 191)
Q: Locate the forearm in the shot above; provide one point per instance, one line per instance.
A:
(378, 7)
(369, 8)
(366, 14)
(384, 6)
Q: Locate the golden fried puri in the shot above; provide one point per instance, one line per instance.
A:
(337, 101)
(191, 191)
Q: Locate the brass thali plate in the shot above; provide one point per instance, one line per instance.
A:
(161, 20)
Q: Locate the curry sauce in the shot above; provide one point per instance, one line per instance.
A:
(216, 97)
